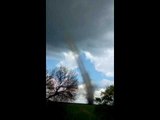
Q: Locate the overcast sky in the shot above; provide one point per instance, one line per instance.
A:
(90, 23)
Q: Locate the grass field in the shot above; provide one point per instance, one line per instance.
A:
(72, 111)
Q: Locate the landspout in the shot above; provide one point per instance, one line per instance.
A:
(85, 76)
(87, 80)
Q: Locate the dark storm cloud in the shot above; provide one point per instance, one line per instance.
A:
(89, 22)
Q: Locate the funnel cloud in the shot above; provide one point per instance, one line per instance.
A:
(84, 73)
(83, 27)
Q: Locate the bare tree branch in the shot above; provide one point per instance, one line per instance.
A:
(62, 84)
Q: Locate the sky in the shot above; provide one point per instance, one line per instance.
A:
(90, 23)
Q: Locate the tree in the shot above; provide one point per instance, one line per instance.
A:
(61, 85)
(107, 97)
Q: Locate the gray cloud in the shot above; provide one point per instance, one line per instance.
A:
(89, 22)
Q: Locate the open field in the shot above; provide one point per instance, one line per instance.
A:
(74, 111)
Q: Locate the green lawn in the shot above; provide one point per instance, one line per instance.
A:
(82, 111)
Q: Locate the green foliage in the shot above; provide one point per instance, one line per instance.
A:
(98, 100)
(107, 97)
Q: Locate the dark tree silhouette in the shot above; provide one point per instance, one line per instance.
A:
(107, 97)
(61, 85)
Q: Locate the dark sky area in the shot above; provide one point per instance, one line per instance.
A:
(90, 23)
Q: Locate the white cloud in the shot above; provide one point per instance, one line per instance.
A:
(103, 62)
(104, 83)
(97, 93)
(81, 94)
(68, 60)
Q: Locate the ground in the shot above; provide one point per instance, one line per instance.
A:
(72, 111)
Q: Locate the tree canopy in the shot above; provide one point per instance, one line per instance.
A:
(61, 85)
(107, 97)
